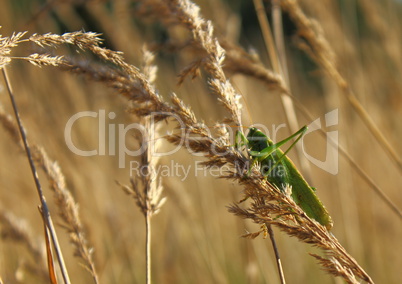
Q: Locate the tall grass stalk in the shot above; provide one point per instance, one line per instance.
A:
(44, 207)
(215, 58)
(147, 189)
(268, 205)
(68, 207)
(320, 50)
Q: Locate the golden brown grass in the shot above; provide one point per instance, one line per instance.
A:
(210, 238)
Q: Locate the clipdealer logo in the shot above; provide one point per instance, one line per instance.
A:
(112, 138)
(330, 163)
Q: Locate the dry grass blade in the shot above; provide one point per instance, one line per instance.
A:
(44, 208)
(256, 188)
(139, 89)
(50, 258)
(17, 230)
(68, 208)
(146, 189)
(275, 50)
(270, 206)
(334, 267)
(239, 61)
(6, 44)
(320, 50)
(202, 31)
(45, 60)
(276, 251)
(202, 46)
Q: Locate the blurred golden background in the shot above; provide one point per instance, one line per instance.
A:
(195, 239)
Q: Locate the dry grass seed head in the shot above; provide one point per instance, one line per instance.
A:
(136, 86)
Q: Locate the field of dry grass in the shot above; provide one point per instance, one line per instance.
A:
(185, 220)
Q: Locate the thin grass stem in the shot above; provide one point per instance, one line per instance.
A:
(276, 51)
(148, 247)
(322, 53)
(44, 207)
(276, 251)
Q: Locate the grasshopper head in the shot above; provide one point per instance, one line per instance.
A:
(257, 140)
(252, 131)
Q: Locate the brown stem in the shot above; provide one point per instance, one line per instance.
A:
(276, 251)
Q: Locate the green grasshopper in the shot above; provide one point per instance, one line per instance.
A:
(280, 171)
